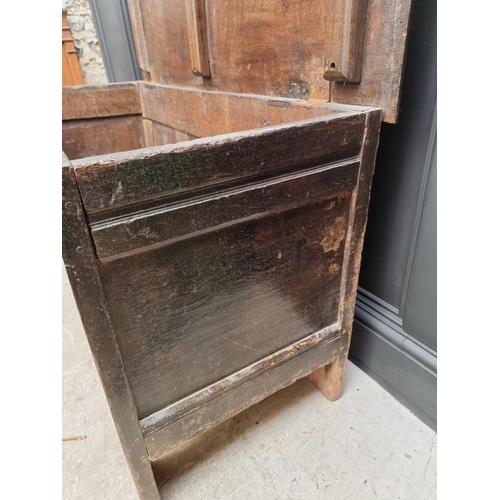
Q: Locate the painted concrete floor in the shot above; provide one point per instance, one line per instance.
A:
(294, 445)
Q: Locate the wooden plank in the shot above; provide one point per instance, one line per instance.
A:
(221, 209)
(159, 173)
(99, 101)
(197, 310)
(383, 60)
(330, 378)
(136, 20)
(149, 137)
(224, 404)
(83, 138)
(204, 113)
(186, 405)
(160, 134)
(346, 40)
(84, 275)
(166, 41)
(198, 37)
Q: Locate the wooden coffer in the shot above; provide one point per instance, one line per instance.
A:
(214, 212)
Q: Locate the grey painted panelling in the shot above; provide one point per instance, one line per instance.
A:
(410, 382)
(399, 170)
(420, 315)
(402, 364)
(115, 38)
(394, 335)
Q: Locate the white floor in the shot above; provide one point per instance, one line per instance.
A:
(295, 445)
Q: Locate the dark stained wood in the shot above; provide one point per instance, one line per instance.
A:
(98, 101)
(83, 273)
(240, 394)
(170, 171)
(222, 300)
(98, 136)
(226, 267)
(173, 222)
(214, 245)
(198, 37)
(346, 41)
(155, 421)
(330, 378)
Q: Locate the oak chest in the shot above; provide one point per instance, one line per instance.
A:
(214, 212)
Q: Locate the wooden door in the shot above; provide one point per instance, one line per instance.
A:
(71, 73)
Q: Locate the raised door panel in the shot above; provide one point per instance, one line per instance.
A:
(277, 48)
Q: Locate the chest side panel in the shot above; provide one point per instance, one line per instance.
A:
(200, 287)
(191, 312)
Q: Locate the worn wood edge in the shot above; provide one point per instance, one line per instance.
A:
(252, 388)
(99, 219)
(198, 37)
(117, 159)
(96, 176)
(98, 101)
(346, 43)
(149, 136)
(136, 20)
(203, 113)
(112, 86)
(107, 248)
(181, 408)
(83, 274)
(330, 378)
(397, 74)
(270, 100)
(394, 13)
(105, 214)
(276, 100)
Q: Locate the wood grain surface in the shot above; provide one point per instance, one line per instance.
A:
(219, 301)
(98, 101)
(283, 48)
(129, 180)
(225, 267)
(98, 136)
(83, 273)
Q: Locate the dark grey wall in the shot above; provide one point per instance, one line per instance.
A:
(394, 336)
